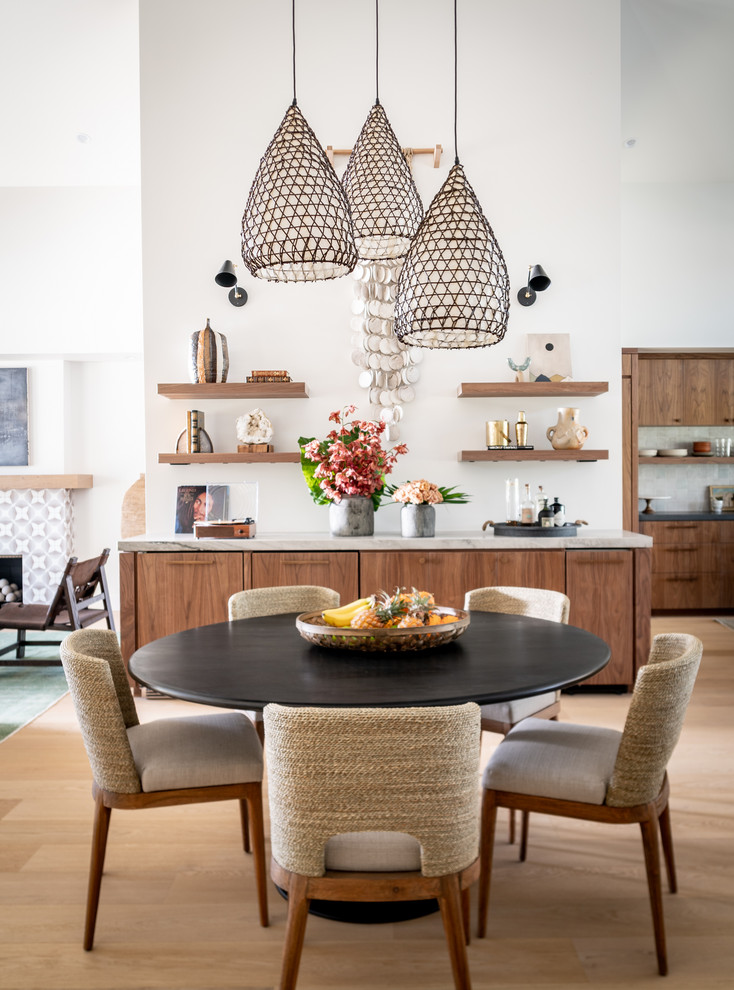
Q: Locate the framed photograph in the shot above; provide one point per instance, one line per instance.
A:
(13, 416)
(725, 493)
(200, 503)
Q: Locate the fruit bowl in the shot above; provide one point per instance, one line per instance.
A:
(313, 628)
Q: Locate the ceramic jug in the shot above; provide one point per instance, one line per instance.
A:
(567, 434)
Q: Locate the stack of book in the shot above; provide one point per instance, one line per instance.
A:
(268, 376)
(194, 424)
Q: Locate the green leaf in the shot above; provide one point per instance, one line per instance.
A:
(308, 467)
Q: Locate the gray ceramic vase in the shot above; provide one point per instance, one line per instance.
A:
(418, 520)
(353, 516)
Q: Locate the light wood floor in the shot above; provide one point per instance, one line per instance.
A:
(178, 909)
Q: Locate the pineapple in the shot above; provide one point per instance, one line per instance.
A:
(383, 612)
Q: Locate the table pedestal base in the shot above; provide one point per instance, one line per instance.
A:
(369, 912)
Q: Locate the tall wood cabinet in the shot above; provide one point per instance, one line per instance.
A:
(685, 389)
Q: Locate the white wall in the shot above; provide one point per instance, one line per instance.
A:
(677, 253)
(539, 139)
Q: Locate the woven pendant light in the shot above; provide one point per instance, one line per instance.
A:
(297, 226)
(453, 290)
(386, 208)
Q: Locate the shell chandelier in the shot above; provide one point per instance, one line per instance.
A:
(386, 208)
(389, 368)
(297, 225)
(453, 290)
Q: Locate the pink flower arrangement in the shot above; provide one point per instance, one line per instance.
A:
(351, 460)
(422, 492)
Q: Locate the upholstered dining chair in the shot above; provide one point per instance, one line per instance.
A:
(538, 603)
(600, 774)
(254, 602)
(374, 805)
(189, 760)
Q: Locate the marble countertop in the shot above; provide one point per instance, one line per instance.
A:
(305, 542)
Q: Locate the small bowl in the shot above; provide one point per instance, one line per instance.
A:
(647, 452)
(673, 452)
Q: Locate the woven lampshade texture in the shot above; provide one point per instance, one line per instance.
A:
(386, 208)
(297, 225)
(453, 290)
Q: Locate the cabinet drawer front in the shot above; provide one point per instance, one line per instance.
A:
(337, 570)
(726, 531)
(678, 591)
(686, 559)
(681, 531)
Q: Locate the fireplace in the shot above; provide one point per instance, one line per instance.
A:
(11, 577)
(36, 526)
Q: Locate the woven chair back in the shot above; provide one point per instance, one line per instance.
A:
(538, 603)
(409, 770)
(104, 706)
(276, 601)
(654, 721)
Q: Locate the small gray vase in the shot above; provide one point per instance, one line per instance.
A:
(353, 516)
(418, 520)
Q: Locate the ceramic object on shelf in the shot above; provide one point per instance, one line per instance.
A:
(647, 452)
(208, 356)
(567, 434)
(651, 498)
(673, 452)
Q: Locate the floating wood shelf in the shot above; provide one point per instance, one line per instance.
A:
(269, 457)
(235, 390)
(522, 390)
(534, 455)
(38, 481)
(436, 151)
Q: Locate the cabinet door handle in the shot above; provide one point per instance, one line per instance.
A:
(678, 580)
(679, 549)
(190, 563)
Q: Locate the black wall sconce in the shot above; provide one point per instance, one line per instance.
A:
(227, 277)
(538, 281)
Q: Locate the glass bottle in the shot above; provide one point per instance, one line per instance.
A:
(527, 509)
(559, 512)
(512, 500)
(545, 516)
(540, 497)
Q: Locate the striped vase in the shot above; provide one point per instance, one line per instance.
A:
(209, 358)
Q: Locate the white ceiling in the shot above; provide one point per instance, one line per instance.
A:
(72, 69)
(678, 90)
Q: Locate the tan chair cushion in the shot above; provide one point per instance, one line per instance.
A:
(196, 751)
(554, 759)
(373, 852)
(520, 708)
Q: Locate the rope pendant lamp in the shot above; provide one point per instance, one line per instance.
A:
(297, 226)
(386, 207)
(453, 290)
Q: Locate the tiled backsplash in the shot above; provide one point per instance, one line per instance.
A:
(687, 483)
(38, 525)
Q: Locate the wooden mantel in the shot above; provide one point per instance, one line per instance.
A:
(37, 481)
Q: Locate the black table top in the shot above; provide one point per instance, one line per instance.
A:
(250, 662)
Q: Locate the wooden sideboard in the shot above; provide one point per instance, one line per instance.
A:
(166, 592)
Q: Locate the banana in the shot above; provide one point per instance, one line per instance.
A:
(342, 616)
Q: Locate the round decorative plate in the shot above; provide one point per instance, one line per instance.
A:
(313, 628)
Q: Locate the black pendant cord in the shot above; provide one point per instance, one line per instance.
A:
(456, 85)
(293, 30)
(377, 52)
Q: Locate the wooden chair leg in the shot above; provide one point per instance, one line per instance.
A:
(489, 824)
(255, 804)
(298, 905)
(450, 903)
(260, 729)
(524, 836)
(511, 829)
(666, 835)
(649, 830)
(96, 867)
(20, 644)
(466, 914)
(245, 826)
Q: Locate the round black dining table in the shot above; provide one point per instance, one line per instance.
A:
(249, 662)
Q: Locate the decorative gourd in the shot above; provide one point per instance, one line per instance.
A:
(209, 357)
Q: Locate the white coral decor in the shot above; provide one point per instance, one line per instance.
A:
(254, 427)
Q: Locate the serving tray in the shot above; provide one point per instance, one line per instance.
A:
(505, 529)
(313, 628)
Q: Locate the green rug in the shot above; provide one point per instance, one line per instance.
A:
(26, 692)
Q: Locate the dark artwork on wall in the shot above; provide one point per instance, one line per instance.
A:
(13, 416)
